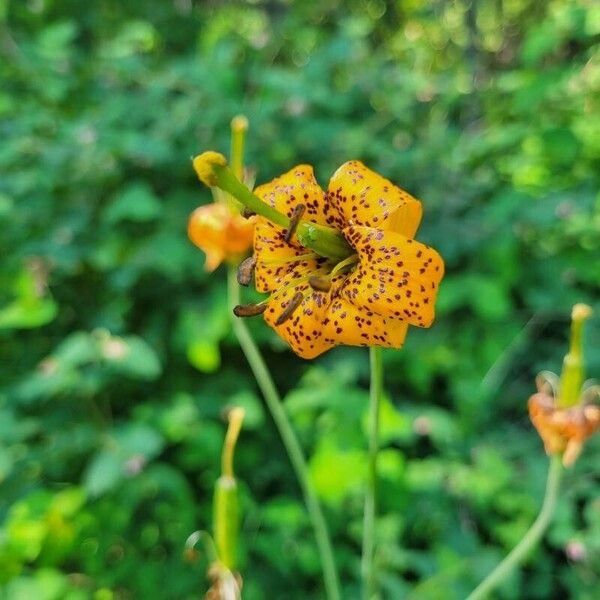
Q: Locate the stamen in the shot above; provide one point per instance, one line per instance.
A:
(249, 310)
(246, 270)
(247, 213)
(288, 311)
(351, 260)
(294, 222)
(319, 284)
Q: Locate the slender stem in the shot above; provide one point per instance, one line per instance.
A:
(530, 539)
(290, 441)
(368, 550)
(236, 416)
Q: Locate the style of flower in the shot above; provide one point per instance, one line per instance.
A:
(221, 233)
(388, 282)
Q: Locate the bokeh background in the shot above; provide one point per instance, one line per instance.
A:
(116, 356)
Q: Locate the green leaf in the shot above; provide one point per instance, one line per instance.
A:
(136, 202)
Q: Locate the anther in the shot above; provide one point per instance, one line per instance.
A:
(294, 222)
(246, 270)
(288, 311)
(249, 310)
(247, 213)
(319, 284)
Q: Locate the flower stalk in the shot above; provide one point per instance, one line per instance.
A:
(230, 181)
(289, 439)
(368, 549)
(530, 539)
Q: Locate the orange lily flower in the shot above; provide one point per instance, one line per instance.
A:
(221, 233)
(370, 298)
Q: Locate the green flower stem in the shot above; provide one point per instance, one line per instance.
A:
(290, 441)
(212, 169)
(368, 549)
(530, 539)
(325, 241)
(228, 182)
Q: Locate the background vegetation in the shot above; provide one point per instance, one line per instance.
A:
(116, 355)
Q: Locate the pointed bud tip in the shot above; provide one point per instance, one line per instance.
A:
(236, 414)
(239, 123)
(204, 165)
(581, 312)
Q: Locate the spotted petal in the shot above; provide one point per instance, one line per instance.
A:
(356, 326)
(272, 251)
(359, 196)
(304, 329)
(397, 277)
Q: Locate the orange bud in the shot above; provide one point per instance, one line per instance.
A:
(221, 233)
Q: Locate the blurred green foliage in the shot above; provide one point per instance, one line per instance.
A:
(116, 355)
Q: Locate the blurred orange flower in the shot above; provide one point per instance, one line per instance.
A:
(221, 233)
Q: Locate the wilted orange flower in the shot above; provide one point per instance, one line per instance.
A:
(562, 410)
(221, 232)
(563, 430)
(388, 282)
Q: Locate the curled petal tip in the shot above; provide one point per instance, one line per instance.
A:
(239, 123)
(204, 165)
(581, 312)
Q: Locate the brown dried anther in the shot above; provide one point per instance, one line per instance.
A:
(249, 310)
(288, 311)
(245, 271)
(294, 222)
(247, 213)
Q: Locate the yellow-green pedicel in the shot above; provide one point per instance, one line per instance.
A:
(390, 281)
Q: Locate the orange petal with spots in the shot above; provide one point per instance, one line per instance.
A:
(355, 326)
(221, 233)
(304, 329)
(396, 276)
(359, 196)
(297, 186)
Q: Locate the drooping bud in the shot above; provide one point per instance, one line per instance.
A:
(205, 164)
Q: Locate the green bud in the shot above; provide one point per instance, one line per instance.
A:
(226, 520)
(225, 501)
(573, 373)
